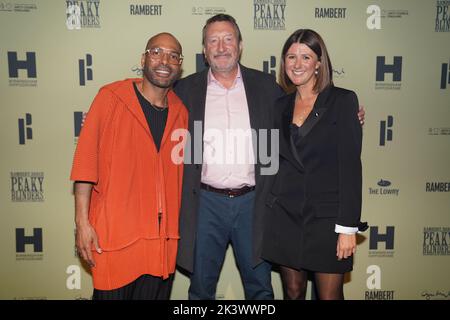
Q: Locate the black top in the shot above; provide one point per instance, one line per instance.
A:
(156, 117)
(297, 133)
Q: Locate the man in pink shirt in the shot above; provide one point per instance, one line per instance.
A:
(223, 190)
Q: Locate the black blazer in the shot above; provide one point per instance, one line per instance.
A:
(319, 183)
(261, 92)
(327, 167)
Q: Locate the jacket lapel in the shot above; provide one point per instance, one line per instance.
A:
(255, 112)
(174, 104)
(253, 96)
(127, 94)
(287, 111)
(198, 99)
(196, 104)
(319, 109)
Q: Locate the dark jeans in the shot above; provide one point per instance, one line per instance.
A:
(224, 220)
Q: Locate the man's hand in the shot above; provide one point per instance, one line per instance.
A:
(85, 238)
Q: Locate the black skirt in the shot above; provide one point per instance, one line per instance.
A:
(303, 240)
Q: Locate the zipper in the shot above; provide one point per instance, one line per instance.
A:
(160, 209)
(159, 195)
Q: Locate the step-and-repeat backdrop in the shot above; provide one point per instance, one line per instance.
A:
(56, 54)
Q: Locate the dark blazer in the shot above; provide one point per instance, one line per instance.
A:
(261, 92)
(319, 183)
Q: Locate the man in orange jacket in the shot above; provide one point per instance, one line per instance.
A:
(127, 229)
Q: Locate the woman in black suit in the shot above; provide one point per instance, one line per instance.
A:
(315, 199)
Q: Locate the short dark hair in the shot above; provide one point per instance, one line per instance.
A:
(315, 42)
(219, 18)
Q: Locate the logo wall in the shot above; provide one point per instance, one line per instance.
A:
(377, 238)
(82, 14)
(269, 14)
(18, 66)
(442, 22)
(27, 186)
(436, 241)
(29, 246)
(373, 283)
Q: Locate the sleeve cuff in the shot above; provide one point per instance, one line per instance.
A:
(345, 230)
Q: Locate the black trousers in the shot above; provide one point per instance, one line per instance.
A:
(146, 287)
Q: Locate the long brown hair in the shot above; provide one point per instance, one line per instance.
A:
(315, 42)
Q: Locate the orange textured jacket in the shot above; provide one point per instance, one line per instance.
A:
(136, 197)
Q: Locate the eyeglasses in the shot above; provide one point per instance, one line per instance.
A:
(158, 53)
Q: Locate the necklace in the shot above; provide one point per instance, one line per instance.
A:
(303, 109)
(302, 112)
(159, 109)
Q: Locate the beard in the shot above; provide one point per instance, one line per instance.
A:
(158, 81)
(223, 66)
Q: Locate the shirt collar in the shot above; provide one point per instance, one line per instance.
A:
(212, 79)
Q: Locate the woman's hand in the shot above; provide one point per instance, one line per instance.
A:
(346, 245)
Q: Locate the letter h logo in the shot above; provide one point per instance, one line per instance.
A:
(29, 64)
(85, 72)
(35, 240)
(385, 132)
(376, 237)
(25, 131)
(383, 68)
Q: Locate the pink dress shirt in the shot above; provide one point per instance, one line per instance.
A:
(228, 159)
